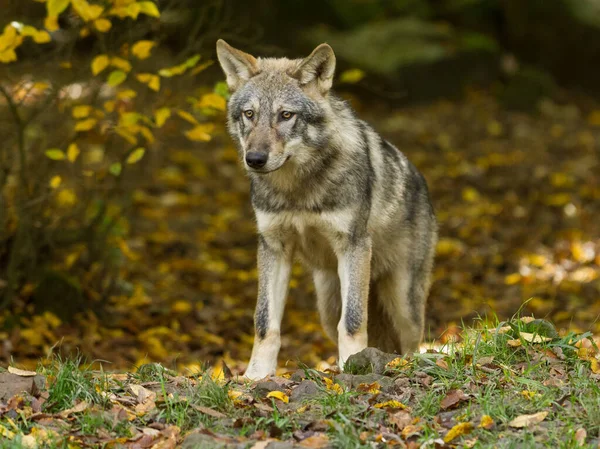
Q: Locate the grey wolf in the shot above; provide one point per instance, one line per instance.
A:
(326, 188)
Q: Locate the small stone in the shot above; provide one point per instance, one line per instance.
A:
(369, 360)
(305, 390)
(266, 386)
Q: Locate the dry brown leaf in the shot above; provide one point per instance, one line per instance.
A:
(528, 420)
(209, 411)
(83, 405)
(401, 419)
(21, 372)
(580, 436)
(317, 441)
(442, 364)
(453, 398)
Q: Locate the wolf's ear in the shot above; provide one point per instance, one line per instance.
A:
(238, 66)
(317, 69)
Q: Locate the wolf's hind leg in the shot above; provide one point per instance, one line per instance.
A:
(329, 300)
(403, 295)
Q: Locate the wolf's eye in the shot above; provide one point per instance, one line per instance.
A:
(249, 113)
(286, 115)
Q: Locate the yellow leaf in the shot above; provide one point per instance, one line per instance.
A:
(103, 25)
(55, 181)
(514, 343)
(145, 131)
(127, 94)
(149, 8)
(212, 100)
(51, 23)
(470, 195)
(528, 420)
(183, 306)
(72, 152)
(116, 77)
(533, 338)
(397, 363)
(331, 386)
(512, 279)
(462, 428)
(81, 111)
(85, 125)
(99, 63)
(109, 106)
(39, 36)
(126, 135)
(279, 395)
(84, 32)
(595, 366)
(161, 115)
(136, 155)
(181, 68)
(486, 422)
(56, 154)
(187, 117)
(55, 7)
(352, 76)
(200, 133)
(149, 79)
(594, 118)
(120, 63)
(86, 11)
(141, 49)
(66, 198)
(390, 404)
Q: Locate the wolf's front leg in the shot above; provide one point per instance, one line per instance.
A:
(354, 270)
(274, 267)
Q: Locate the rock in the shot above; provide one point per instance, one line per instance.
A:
(369, 360)
(281, 445)
(266, 386)
(12, 384)
(298, 376)
(305, 390)
(345, 379)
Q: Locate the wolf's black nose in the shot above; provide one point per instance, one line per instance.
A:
(256, 159)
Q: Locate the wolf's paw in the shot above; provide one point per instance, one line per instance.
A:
(257, 371)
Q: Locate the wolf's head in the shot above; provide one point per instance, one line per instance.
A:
(278, 107)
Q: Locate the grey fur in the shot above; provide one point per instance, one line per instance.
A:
(337, 195)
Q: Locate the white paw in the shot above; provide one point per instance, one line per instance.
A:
(257, 371)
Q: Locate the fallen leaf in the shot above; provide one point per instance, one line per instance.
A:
(209, 411)
(580, 436)
(487, 422)
(528, 420)
(82, 406)
(390, 404)
(279, 395)
(453, 397)
(316, 441)
(462, 428)
(400, 419)
(20, 372)
(442, 364)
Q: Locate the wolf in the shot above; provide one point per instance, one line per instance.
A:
(328, 189)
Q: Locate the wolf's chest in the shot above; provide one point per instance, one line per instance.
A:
(315, 237)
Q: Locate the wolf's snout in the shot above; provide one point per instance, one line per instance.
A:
(256, 159)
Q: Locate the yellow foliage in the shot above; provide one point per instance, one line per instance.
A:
(179, 69)
(150, 80)
(200, 133)
(279, 395)
(141, 49)
(462, 428)
(9, 41)
(66, 198)
(161, 116)
(390, 404)
(352, 76)
(127, 94)
(73, 152)
(212, 100)
(81, 111)
(55, 7)
(149, 8)
(99, 63)
(85, 125)
(56, 154)
(102, 25)
(51, 23)
(116, 77)
(187, 117)
(136, 155)
(331, 386)
(120, 63)
(55, 181)
(86, 11)
(181, 306)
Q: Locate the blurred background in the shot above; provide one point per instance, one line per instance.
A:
(126, 232)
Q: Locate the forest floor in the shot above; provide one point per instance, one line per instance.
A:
(518, 385)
